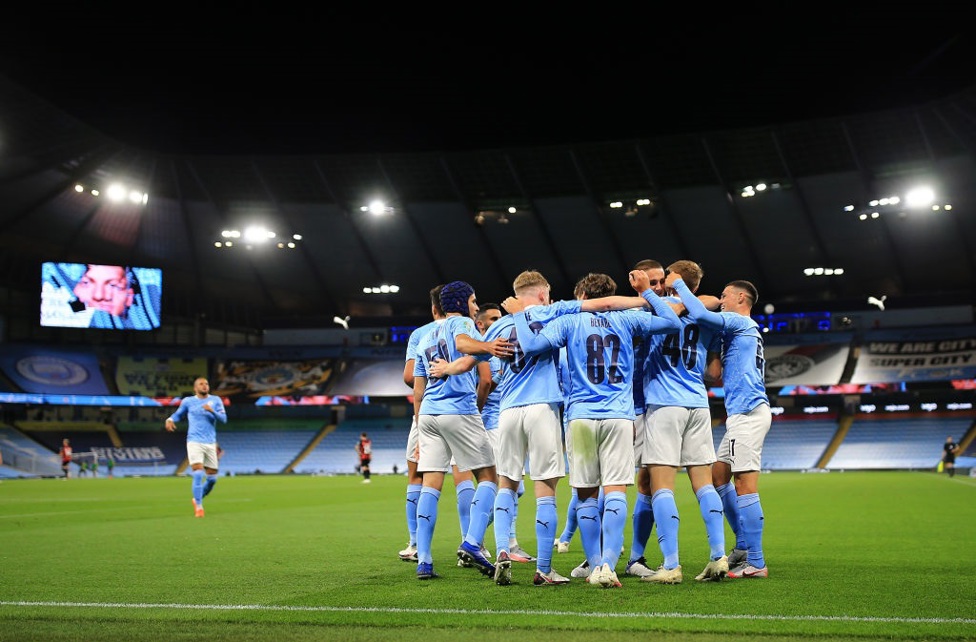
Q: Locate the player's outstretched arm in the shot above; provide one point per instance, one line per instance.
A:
(696, 309)
(662, 309)
(616, 302)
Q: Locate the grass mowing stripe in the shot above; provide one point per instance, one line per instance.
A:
(582, 614)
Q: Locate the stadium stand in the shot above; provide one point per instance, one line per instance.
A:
(265, 445)
(261, 451)
(884, 441)
(967, 459)
(336, 455)
(6, 472)
(25, 457)
(320, 439)
(796, 444)
(792, 444)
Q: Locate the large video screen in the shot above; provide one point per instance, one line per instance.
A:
(110, 297)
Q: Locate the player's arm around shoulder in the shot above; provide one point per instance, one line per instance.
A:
(496, 347)
(665, 317)
(611, 303)
(440, 368)
(530, 343)
(710, 301)
(697, 309)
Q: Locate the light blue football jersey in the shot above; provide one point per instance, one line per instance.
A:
(674, 365)
(530, 379)
(454, 395)
(743, 356)
(201, 424)
(600, 357)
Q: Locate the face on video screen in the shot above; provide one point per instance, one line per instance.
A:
(96, 295)
(106, 288)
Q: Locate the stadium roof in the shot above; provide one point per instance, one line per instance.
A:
(298, 128)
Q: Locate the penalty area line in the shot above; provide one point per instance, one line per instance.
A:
(583, 614)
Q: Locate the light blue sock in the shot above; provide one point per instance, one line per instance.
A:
(413, 494)
(667, 520)
(512, 537)
(570, 529)
(505, 502)
(545, 531)
(481, 509)
(710, 505)
(731, 505)
(590, 529)
(211, 482)
(198, 477)
(751, 513)
(465, 493)
(643, 521)
(615, 516)
(426, 520)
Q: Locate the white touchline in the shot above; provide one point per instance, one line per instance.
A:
(368, 609)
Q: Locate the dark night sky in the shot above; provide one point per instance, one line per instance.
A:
(292, 80)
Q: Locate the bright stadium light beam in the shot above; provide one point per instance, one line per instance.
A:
(919, 197)
(257, 234)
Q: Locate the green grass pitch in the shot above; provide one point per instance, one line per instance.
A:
(852, 556)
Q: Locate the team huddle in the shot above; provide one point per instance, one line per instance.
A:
(609, 389)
